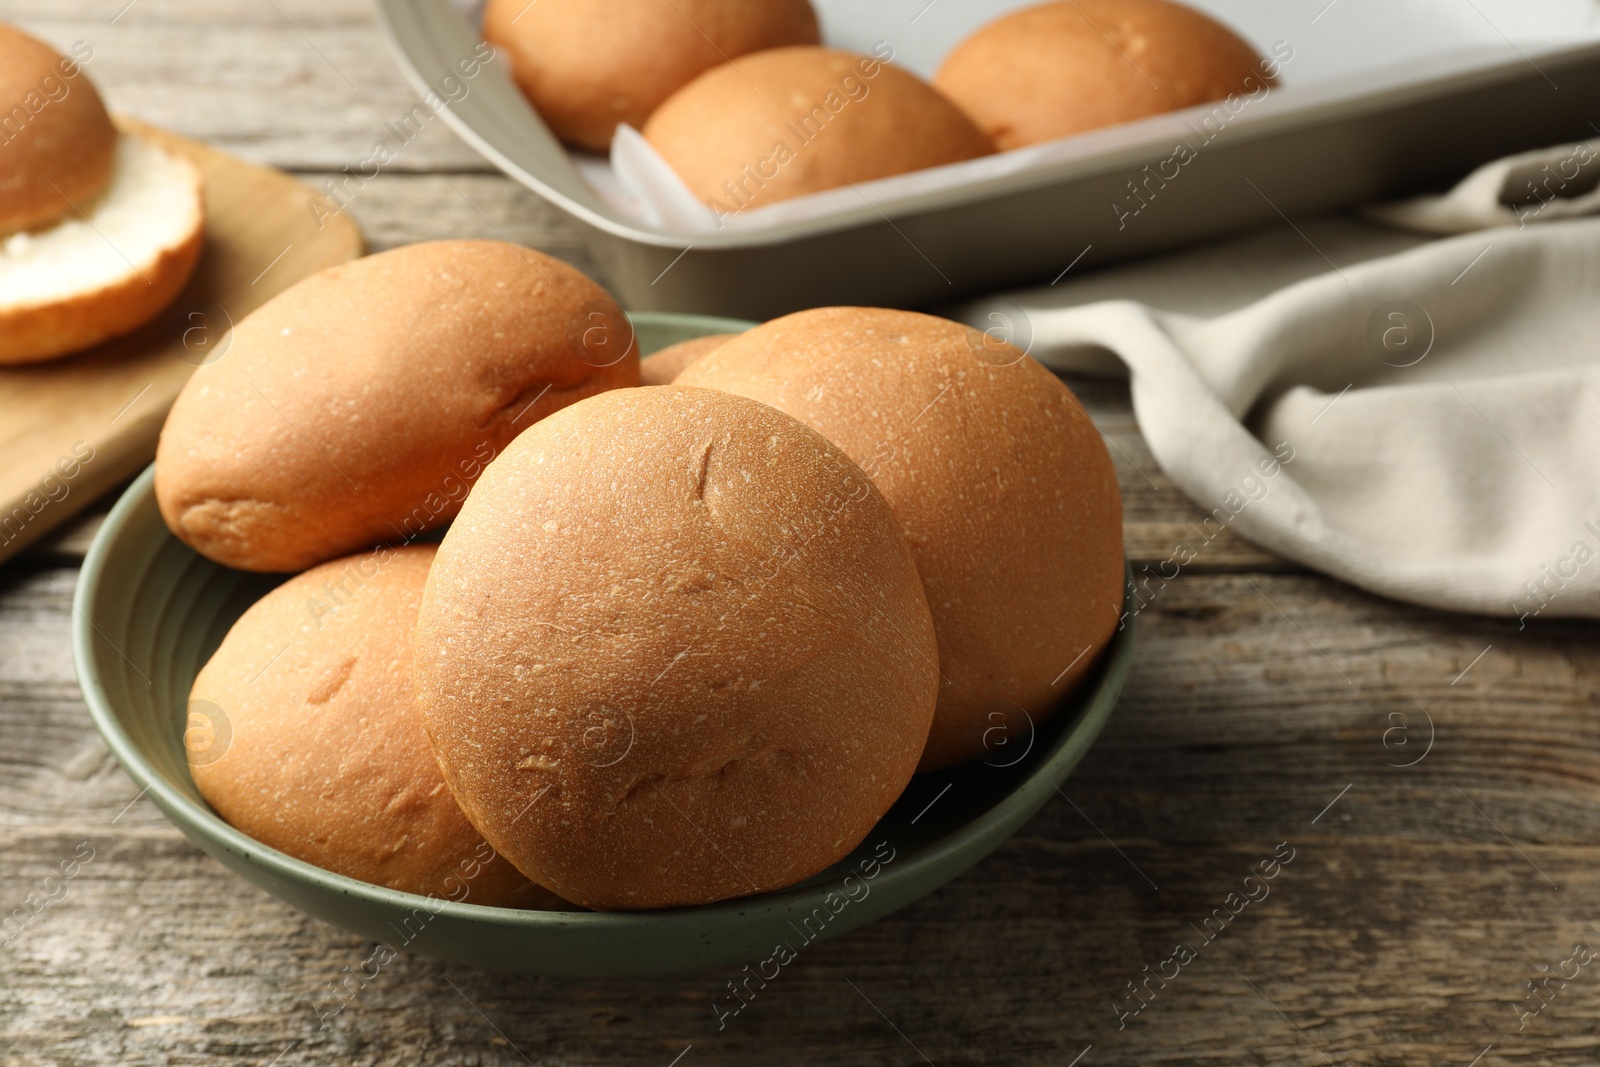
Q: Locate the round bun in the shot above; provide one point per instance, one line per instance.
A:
(57, 141)
(1000, 482)
(587, 65)
(674, 650)
(659, 368)
(360, 405)
(1061, 68)
(87, 279)
(303, 733)
(799, 120)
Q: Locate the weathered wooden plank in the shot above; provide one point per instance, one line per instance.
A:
(1267, 705)
(1401, 932)
(1378, 951)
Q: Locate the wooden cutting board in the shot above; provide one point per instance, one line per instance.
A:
(72, 428)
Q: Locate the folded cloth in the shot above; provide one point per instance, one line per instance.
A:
(1539, 186)
(1418, 416)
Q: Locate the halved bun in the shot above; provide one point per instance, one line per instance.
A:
(58, 141)
(98, 275)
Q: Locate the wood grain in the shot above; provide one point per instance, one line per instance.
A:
(1401, 932)
(1262, 709)
(72, 428)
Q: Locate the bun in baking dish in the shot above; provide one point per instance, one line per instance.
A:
(1061, 68)
(792, 121)
(359, 405)
(674, 650)
(303, 733)
(587, 65)
(999, 480)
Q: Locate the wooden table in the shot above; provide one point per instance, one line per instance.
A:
(1269, 710)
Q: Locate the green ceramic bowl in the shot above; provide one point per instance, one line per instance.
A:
(149, 612)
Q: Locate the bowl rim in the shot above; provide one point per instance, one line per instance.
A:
(198, 821)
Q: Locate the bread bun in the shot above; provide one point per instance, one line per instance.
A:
(659, 368)
(587, 65)
(1061, 68)
(1000, 482)
(359, 405)
(303, 733)
(799, 120)
(93, 277)
(56, 141)
(674, 650)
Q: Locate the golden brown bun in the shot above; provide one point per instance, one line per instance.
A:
(303, 733)
(659, 368)
(110, 270)
(587, 65)
(56, 141)
(359, 405)
(1061, 68)
(674, 650)
(1000, 482)
(799, 120)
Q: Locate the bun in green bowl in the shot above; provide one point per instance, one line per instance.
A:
(149, 611)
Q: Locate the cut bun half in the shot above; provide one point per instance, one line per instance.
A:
(110, 265)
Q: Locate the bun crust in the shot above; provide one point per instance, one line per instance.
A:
(792, 121)
(998, 478)
(659, 368)
(1061, 68)
(701, 673)
(60, 157)
(303, 732)
(359, 405)
(587, 65)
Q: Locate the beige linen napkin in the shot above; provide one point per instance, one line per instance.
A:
(1418, 416)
